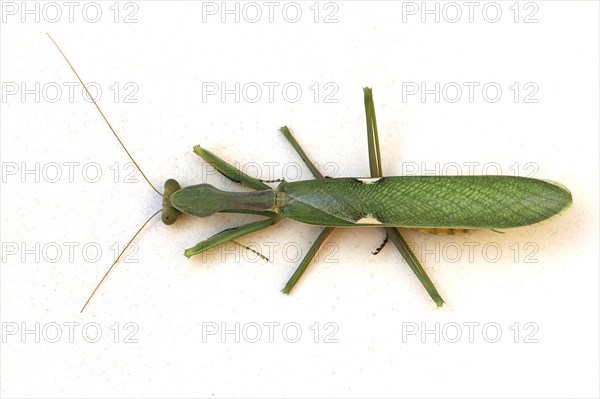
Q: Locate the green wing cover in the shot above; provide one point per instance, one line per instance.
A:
(423, 201)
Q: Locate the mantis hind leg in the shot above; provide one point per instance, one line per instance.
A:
(392, 232)
(382, 245)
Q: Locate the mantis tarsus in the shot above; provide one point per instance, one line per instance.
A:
(430, 203)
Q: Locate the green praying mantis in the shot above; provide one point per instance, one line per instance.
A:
(428, 203)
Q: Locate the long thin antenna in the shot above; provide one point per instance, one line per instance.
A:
(102, 113)
(116, 260)
(130, 157)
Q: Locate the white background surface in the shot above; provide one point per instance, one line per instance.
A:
(372, 302)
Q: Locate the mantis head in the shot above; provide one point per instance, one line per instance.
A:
(169, 212)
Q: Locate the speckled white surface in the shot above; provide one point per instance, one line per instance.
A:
(544, 278)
